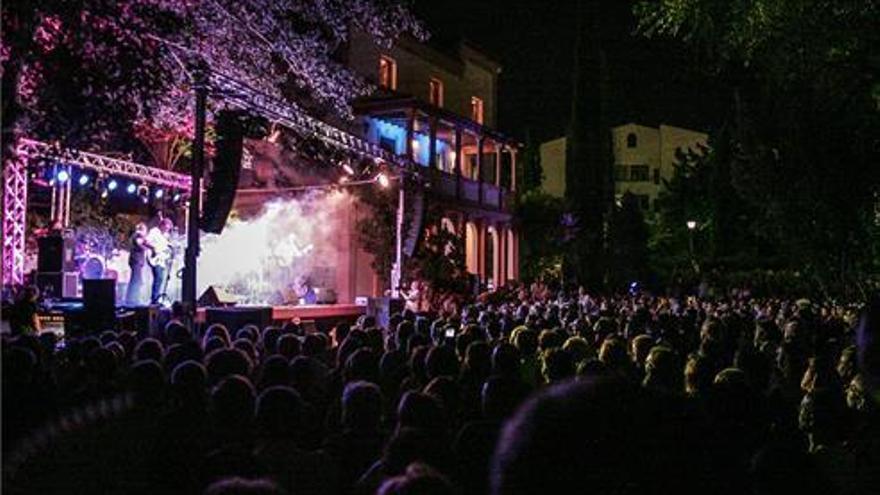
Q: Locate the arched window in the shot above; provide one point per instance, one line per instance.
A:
(632, 140)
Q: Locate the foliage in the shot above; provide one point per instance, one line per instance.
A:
(377, 228)
(803, 121)
(542, 234)
(588, 178)
(440, 261)
(85, 71)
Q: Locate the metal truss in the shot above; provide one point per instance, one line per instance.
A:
(14, 222)
(104, 164)
(15, 182)
(245, 97)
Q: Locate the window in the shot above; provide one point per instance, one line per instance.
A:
(477, 109)
(639, 173)
(435, 92)
(387, 72)
(632, 140)
(656, 176)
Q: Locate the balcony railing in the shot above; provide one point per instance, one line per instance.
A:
(469, 191)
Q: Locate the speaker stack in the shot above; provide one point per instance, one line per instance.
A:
(57, 274)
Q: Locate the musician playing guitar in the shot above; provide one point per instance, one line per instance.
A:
(159, 256)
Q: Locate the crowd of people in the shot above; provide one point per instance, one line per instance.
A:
(528, 391)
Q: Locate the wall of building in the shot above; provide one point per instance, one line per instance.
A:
(463, 76)
(553, 164)
(654, 148)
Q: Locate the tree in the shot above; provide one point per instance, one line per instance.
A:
(629, 243)
(802, 79)
(542, 234)
(86, 71)
(588, 177)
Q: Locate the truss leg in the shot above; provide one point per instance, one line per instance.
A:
(14, 221)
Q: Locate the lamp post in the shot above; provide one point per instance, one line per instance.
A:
(692, 225)
(397, 269)
(192, 226)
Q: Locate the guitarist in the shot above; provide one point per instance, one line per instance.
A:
(160, 255)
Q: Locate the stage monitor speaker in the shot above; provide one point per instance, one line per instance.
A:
(56, 254)
(231, 127)
(57, 285)
(215, 296)
(235, 318)
(381, 308)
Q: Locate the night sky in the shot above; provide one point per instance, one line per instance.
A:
(651, 81)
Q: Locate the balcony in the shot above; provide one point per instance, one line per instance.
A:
(468, 163)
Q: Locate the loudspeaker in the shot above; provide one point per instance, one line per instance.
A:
(381, 308)
(229, 126)
(56, 254)
(415, 202)
(215, 296)
(235, 318)
(57, 285)
(99, 301)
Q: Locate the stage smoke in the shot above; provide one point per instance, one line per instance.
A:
(259, 258)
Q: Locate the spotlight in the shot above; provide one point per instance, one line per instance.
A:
(176, 197)
(62, 176)
(131, 189)
(104, 194)
(83, 179)
(348, 169)
(383, 180)
(112, 185)
(159, 193)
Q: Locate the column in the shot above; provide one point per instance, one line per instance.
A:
(457, 162)
(480, 143)
(504, 257)
(513, 169)
(498, 165)
(432, 146)
(410, 133)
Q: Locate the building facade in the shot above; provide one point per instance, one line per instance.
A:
(643, 158)
(438, 107)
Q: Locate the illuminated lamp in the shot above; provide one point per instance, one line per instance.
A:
(383, 180)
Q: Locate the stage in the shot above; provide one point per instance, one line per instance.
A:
(322, 315)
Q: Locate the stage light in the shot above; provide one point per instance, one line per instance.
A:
(131, 189)
(104, 194)
(112, 185)
(159, 193)
(383, 180)
(62, 176)
(176, 197)
(348, 169)
(83, 179)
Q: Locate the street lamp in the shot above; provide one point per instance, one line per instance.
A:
(692, 225)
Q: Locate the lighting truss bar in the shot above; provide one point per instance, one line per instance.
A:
(104, 164)
(246, 97)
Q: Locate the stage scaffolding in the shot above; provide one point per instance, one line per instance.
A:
(15, 184)
(230, 91)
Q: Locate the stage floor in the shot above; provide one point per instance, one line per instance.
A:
(307, 312)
